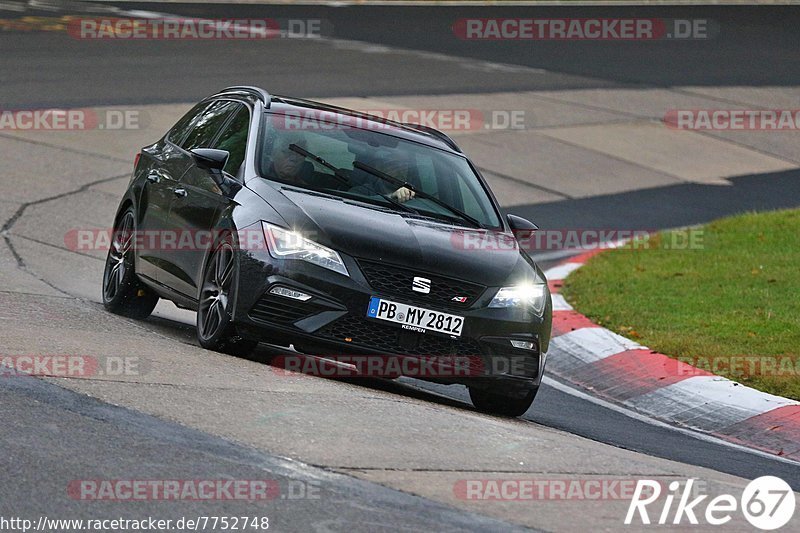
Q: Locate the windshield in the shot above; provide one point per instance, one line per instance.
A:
(340, 159)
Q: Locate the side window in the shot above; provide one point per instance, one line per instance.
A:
(234, 139)
(182, 127)
(206, 127)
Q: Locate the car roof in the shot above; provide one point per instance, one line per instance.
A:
(291, 105)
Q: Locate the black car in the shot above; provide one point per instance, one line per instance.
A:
(339, 233)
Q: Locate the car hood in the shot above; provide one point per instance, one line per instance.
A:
(483, 256)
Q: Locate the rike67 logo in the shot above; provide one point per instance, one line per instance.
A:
(766, 502)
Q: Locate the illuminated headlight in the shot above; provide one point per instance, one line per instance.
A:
(533, 296)
(285, 244)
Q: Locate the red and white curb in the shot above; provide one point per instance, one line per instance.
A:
(625, 372)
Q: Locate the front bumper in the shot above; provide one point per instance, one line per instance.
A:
(333, 322)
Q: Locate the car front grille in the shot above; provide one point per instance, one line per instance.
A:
(394, 280)
(281, 310)
(366, 333)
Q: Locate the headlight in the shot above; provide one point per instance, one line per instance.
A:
(285, 244)
(533, 296)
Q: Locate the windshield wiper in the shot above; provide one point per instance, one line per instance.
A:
(401, 205)
(400, 183)
(337, 172)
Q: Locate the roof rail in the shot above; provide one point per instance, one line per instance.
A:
(262, 95)
(436, 133)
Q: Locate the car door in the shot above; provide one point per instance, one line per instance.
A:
(198, 201)
(163, 164)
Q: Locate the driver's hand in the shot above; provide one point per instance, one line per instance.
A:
(403, 194)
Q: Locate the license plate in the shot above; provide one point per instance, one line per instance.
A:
(414, 318)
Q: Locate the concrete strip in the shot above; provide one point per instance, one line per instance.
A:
(641, 103)
(540, 159)
(544, 507)
(683, 154)
(32, 170)
(655, 103)
(139, 126)
(765, 97)
(508, 190)
(526, 109)
(781, 144)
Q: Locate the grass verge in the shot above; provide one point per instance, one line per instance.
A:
(725, 297)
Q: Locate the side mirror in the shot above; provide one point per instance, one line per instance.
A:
(214, 161)
(521, 225)
(210, 158)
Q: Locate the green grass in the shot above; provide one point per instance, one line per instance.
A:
(735, 292)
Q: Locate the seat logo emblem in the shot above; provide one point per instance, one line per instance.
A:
(422, 285)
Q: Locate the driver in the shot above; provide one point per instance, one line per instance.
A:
(396, 165)
(288, 165)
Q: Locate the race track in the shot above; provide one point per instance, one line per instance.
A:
(385, 456)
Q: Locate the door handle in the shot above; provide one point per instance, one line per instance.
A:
(154, 177)
(180, 193)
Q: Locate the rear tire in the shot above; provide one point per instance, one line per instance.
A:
(497, 403)
(215, 330)
(123, 293)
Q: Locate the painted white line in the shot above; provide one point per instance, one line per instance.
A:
(707, 403)
(588, 345)
(566, 389)
(561, 271)
(560, 304)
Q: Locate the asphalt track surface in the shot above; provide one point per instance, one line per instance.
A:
(757, 46)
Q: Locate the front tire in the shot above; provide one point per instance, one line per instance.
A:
(503, 404)
(123, 293)
(215, 330)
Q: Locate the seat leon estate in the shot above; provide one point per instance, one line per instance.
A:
(296, 223)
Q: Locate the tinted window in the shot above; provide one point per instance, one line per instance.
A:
(234, 139)
(205, 129)
(182, 127)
